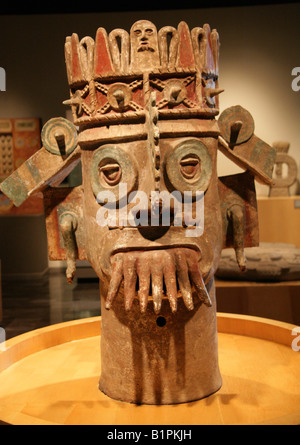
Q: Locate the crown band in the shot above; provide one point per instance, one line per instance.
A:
(111, 79)
(89, 137)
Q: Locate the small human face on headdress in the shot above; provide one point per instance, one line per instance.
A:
(144, 45)
(144, 32)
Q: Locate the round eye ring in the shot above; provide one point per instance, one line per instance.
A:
(111, 166)
(189, 166)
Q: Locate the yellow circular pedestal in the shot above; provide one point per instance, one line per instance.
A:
(50, 376)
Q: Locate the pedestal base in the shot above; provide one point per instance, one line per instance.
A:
(50, 376)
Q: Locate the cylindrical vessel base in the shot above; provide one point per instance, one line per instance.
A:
(159, 359)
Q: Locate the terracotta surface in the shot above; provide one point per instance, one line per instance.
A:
(158, 356)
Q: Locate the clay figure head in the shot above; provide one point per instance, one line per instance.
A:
(143, 241)
(151, 215)
(151, 210)
(144, 45)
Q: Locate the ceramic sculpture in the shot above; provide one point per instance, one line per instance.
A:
(282, 182)
(151, 216)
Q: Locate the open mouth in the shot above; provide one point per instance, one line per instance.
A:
(170, 273)
(144, 46)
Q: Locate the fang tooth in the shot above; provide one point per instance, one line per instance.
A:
(169, 272)
(143, 272)
(183, 279)
(198, 282)
(116, 278)
(130, 277)
(206, 298)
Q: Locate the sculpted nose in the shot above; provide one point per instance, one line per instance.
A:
(144, 36)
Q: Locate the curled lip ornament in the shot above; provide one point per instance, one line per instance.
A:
(133, 238)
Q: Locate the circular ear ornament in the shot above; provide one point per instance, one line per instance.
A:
(189, 166)
(111, 167)
(59, 136)
(236, 125)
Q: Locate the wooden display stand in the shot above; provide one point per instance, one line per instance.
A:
(279, 219)
(50, 376)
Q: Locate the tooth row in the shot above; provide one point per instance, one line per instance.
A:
(173, 271)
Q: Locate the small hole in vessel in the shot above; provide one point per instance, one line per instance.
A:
(161, 321)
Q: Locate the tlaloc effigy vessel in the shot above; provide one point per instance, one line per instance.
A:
(151, 215)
